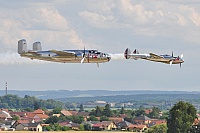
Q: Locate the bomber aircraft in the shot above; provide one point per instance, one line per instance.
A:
(64, 56)
(168, 59)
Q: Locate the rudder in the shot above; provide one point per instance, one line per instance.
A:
(37, 46)
(22, 46)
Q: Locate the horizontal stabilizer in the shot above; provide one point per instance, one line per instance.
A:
(32, 52)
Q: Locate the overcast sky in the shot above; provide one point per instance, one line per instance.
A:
(110, 26)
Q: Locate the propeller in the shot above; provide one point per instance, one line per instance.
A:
(182, 59)
(82, 60)
(171, 62)
(181, 56)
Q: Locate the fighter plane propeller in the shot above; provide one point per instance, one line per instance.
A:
(177, 59)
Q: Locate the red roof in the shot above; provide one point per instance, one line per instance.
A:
(73, 112)
(30, 115)
(137, 126)
(64, 123)
(21, 114)
(66, 113)
(38, 111)
(158, 122)
(43, 116)
(116, 119)
(97, 125)
(22, 121)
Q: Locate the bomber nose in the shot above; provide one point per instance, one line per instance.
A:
(108, 57)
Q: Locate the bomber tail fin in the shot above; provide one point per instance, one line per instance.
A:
(22, 46)
(37, 46)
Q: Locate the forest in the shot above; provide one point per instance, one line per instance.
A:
(28, 102)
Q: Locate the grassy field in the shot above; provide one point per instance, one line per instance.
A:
(65, 132)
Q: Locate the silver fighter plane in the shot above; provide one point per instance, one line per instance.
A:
(168, 59)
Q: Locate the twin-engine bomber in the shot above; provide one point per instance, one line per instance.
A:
(65, 56)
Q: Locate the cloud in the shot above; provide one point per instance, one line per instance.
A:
(155, 18)
(98, 20)
(13, 58)
(37, 21)
(195, 17)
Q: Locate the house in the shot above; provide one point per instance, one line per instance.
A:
(18, 114)
(84, 114)
(22, 127)
(104, 125)
(38, 111)
(66, 113)
(38, 115)
(156, 122)
(29, 127)
(35, 127)
(57, 115)
(63, 123)
(19, 122)
(142, 120)
(116, 119)
(124, 125)
(73, 112)
(71, 125)
(138, 127)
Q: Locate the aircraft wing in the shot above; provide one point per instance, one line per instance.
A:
(63, 53)
(155, 56)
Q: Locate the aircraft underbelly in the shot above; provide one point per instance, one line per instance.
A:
(67, 59)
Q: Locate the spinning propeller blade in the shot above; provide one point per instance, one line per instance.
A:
(82, 60)
(181, 56)
(171, 63)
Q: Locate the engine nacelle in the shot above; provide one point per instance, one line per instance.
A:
(37, 46)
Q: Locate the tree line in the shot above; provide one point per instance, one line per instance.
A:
(28, 102)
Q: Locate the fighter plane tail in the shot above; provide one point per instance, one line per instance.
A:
(135, 51)
(127, 53)
(22, 46)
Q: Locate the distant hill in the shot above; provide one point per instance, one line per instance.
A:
(59, 94)
(136, 98)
